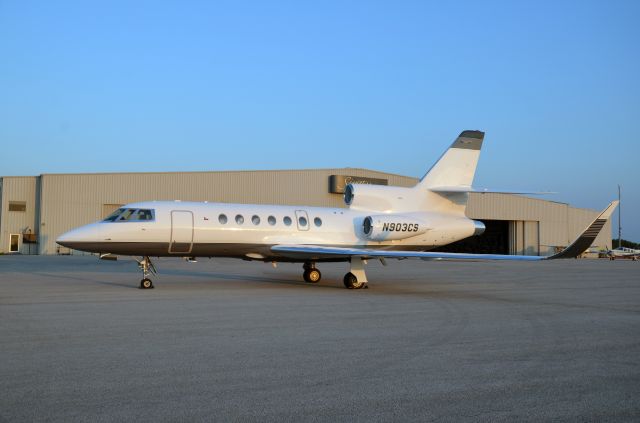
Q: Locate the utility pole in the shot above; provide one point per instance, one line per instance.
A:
(619, 219)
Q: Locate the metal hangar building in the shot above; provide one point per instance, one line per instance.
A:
(34, 210)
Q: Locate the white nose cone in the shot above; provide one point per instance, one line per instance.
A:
(80, 237)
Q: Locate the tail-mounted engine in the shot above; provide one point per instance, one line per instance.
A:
(391, 227)
(380, 198)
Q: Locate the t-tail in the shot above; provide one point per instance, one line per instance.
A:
(446, 186)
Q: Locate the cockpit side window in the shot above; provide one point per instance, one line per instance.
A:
(143, 214)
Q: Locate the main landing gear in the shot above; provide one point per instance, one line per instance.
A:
(356, 278)
(147, 268)
(311, 274)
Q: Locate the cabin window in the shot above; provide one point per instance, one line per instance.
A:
(302, 221)
(287, 220)
(271, 220)
(317, 221)
(222, 219)
(239, 219)
(255, 219)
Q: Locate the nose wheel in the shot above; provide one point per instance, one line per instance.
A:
(147, 268)
(146, 284)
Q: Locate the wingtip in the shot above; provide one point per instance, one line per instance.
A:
(606, 213)
(586, 238)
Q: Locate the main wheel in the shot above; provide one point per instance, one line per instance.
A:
(146, 284)
(312, 275)
(351, 281)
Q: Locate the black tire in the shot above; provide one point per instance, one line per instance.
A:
(351, 282)
(146, 284)
(313, 275)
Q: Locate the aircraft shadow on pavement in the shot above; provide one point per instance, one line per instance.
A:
(246, 278)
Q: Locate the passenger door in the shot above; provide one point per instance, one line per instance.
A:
(302, 220)
(181, 232)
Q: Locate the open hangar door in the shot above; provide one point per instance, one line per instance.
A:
(524, 237)
(501, 237)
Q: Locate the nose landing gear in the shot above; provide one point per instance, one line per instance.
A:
(147, 268)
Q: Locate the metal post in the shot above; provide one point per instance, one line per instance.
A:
(619, 219)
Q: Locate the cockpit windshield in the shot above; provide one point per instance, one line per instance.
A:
(131, 215)
(113, 215)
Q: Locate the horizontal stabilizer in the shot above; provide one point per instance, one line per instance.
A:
(445, 190)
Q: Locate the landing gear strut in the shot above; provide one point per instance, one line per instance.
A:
(356, 278)
(147, 268)
(311, 274)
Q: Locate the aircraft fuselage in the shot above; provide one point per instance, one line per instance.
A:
(194, 229)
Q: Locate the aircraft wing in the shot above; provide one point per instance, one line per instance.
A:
(319, 252)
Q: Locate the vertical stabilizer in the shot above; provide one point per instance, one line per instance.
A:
(455, 169)
(457, 166)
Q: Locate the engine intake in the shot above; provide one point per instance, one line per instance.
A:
(392, 227)
(379, 197)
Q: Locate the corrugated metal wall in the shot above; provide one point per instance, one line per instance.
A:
(559, 223)
(70, 200)
(18, 188)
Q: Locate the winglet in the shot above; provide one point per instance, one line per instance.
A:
(584, 241)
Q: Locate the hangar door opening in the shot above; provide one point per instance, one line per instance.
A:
(516, 237)
(494, 240)
(524, 237)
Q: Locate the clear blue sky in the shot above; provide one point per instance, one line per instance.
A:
(212, 85)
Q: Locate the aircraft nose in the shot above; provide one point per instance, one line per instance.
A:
(75, 238)
(68, 239)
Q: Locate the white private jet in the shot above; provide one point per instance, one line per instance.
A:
(380, 222)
